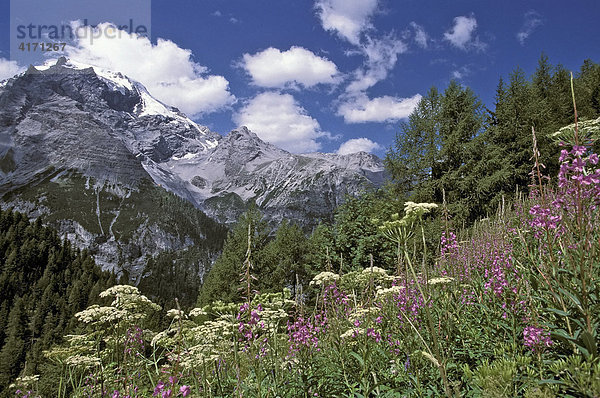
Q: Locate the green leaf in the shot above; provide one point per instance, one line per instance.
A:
(589, 342)
(358, 358)
(551, 381)
(558, 312)
(572, 297)
(583, 350)
(560, 334)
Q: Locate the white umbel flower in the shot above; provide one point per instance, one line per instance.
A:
(323, 278)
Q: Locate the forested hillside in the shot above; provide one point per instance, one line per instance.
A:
(44, 281)
(453, 144)
(452, 150)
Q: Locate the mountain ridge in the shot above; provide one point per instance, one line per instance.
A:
(73, 129)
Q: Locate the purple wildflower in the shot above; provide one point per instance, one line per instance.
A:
(160, 386)
(536, 338)
(184, 390)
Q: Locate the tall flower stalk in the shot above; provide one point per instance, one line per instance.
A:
(399, 231)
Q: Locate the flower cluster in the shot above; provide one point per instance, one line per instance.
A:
(129, 305)
(544, 219)
(440, 281)
(535, 338)
(24, 385)
(418, 209)
(324, 278)
(497, 272)
(371, 332)
(578, 167)
(176, 314)
(409, 302)
(134, 342)
(449, 245)
(250, 322)
(305, 333)
(336, 298)
(390, 291)
(167, 390)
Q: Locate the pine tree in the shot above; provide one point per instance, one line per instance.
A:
(37, 275)
(433, 154)
(356, 231)
(3, 321)
(511, 134)
(587, 89)
(542, 116)
(320, 254)
(460, 119)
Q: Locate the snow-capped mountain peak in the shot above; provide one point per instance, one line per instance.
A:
(78, 142)
(95, 114)
(148, 105)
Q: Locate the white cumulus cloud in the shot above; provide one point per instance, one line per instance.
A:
(361, 109)
(347, 18)
(8, 68)
(358, 145)
(460, 73)
(352, 21)
(279, 119)
(297, 66)
(381, 57)
(168, 71)
(462, 34)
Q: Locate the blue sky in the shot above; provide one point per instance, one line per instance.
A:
(334, 75)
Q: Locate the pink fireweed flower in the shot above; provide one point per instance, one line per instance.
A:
(536, 338)
(160, 386)
(544, 219)
(336, 299)
(563, 155)
(578, 150)
(449, 244)
(304, 333)
(250, 323)
(184, 391)
(375, 335)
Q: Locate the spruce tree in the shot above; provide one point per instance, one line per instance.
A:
(223, 280)
(460, 120)
(413, 159)
(587, 90)
(12, 354)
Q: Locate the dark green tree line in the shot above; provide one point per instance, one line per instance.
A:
(43, 283)
(451, 146)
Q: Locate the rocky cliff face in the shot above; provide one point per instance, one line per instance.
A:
(243, 169)
(94, 152)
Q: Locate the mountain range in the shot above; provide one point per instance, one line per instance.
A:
(127, 176)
